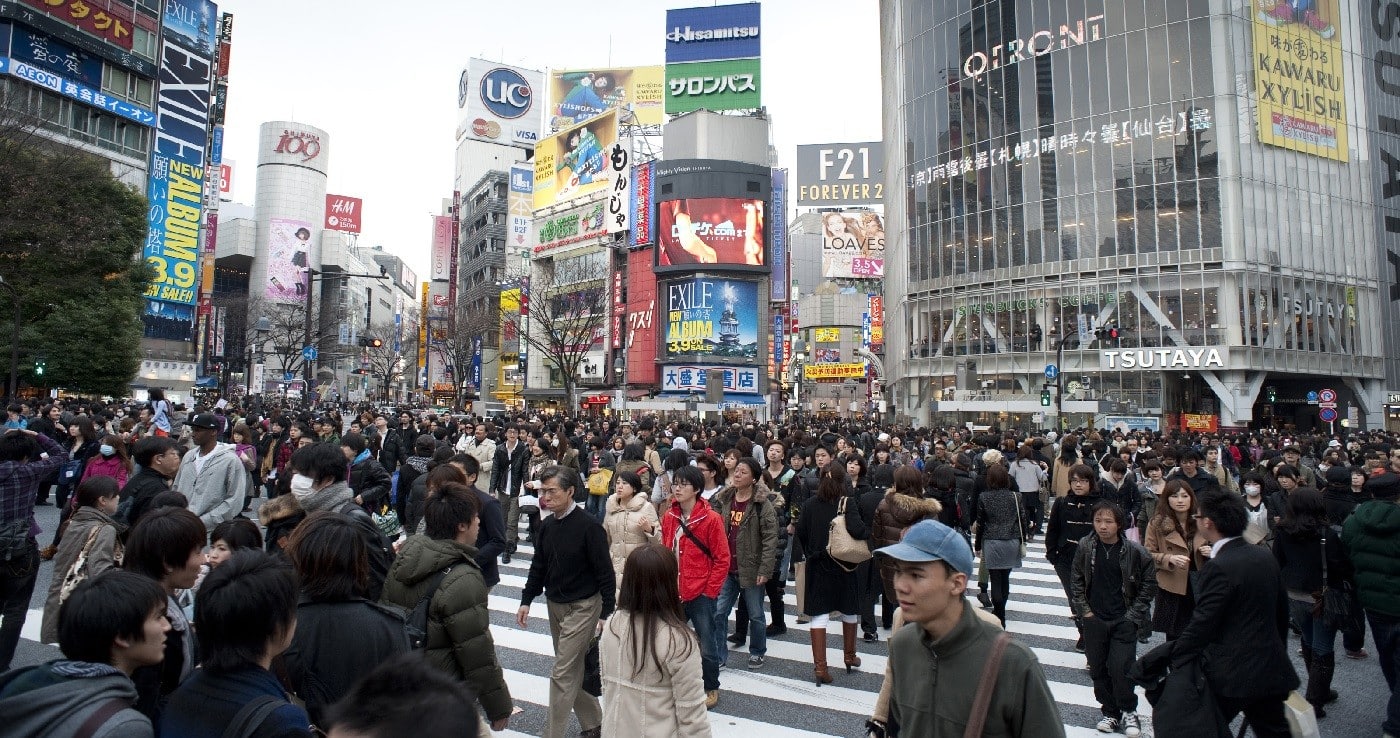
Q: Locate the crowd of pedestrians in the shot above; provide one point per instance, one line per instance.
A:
(279, 569)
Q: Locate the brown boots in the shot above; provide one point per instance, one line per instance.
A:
(848, 633)
(819, 656)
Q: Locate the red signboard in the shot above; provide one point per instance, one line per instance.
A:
(226, 180)
(343, 213)
(106, 19)
(643, 314)
(1200, 423)
(617, 310)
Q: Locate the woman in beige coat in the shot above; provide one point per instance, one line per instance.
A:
(629, 519)
(1178, 550)
(650, 657)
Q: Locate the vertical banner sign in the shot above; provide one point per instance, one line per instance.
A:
(877, 322)
(642, 201)
(423, 337)
(620, 190)
(175, 189)
(865, 331)
(524, 331)
(476, 364)
(777, 346)
(452, 259)
(1298, 77)
(617, 308)
(520, 204)
(777, 214)
(439, 270)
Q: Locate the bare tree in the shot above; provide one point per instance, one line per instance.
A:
(569, 307)
(391, 362)
(459, 347)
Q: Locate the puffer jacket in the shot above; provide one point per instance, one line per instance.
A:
(105, 553)
(757, 542)
(620, 521)
(895, 513)
(459, 621)
(1372, 536)
(701, 573)
(1139, 578)
(370, 483)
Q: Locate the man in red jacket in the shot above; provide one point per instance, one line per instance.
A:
(696, 534)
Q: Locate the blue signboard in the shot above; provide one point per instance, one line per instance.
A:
(777, 219)
(476, 363)
(719, 32)
(73, 90)
(53, 55)
(196, 22)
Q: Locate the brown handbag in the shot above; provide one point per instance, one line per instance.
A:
(977, 719)
(847, 551)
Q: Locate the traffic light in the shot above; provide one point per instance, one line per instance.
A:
(1109, 334)
(1272, 393)
(1045, 398)
(372, 342)
(39, 364)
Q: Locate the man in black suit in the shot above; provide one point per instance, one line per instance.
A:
(507, 477)
(1240, 624)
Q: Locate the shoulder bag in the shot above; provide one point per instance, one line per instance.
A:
(1335, 605)
(79, 570)
(841, 546)
(1020, 526)
(977, 719)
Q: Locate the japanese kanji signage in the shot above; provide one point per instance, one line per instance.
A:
(570, 226)
(834, 371)
(343, 213)
(643, 205)
(110, 21)
(730, 84)
(690, 378)
(619, 217)
(72, 90)
(53, 55)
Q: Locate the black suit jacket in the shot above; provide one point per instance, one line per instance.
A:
(1240, 625)
(515, 462)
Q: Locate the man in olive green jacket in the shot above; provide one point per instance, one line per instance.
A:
(459, 635)
(751, 523)
(937, 658)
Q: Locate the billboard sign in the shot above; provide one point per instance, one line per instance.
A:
(441, 269)
(574, 162)
(728, 84)
(75, 91)
(718, 32)
(576, 95)
(53, 55)
(826, 335)
(705, 231)
(175, 191)
(642, 318)
(520, 204)
(343, 213)
(496, 104)
(853, 370)
(714, 318)
(619, 217)
(112, 24)
(570, 227)
(226, 179)
(643, 205)
(841, 173)
(288, 255)
(1299, 79)
(853, 245)
(194, 22)
(778, 290)
(690, 378)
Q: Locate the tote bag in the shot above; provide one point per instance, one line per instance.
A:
(840, 545)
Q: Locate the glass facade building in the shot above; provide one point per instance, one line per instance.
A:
(1198, 174)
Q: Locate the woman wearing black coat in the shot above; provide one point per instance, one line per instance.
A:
(831, 585)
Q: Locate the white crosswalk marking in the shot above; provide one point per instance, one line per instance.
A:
(780, 699)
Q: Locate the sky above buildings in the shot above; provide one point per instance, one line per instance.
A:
(381, 79)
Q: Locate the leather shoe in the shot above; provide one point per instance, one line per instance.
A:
(505, 558)
(776, 629)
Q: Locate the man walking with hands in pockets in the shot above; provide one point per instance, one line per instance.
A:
(572, 568)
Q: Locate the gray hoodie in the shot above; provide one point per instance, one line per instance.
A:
(56, 698)
(216, 492)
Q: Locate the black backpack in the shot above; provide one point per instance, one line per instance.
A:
(381, 549)
(416, 627)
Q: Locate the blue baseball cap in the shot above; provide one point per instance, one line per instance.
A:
(930, 540)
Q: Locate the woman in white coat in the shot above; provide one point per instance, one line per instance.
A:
(629, 519)
(650, 657)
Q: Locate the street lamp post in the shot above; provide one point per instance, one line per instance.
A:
(1060, 379)
(260, 330)
(14, 340)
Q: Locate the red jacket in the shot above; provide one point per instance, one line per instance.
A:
(699, 574)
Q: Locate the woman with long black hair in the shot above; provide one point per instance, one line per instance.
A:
(831, 585)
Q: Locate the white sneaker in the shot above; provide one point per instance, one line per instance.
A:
(1108, 725)
(1131, 724)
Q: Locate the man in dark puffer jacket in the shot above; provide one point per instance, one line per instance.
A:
(459, 633)
(1372, 536)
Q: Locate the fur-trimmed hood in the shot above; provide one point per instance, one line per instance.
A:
(914, 507)
(279, 508)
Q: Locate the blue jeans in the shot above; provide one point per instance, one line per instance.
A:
(597, 506)
(1318, 636)
(753, 601)
(701, 614)
(1386, 631)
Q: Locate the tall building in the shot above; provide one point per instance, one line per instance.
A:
(1180, 206)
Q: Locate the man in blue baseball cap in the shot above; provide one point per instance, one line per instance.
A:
(937, 667)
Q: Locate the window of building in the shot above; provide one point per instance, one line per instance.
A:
(143, 43)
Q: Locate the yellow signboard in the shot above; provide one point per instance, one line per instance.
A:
(826, 335)
(1298, 77)
(578, 94)
(573, 162)
(834, 371)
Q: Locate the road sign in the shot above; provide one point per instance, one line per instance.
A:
(308, 353)
(1327, 395)
(1051, 371)
(288, 376)
(1312, 396)
(1327, 405)
(1327, 414)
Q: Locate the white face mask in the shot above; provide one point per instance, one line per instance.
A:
(302, 485)
(1252, 490)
